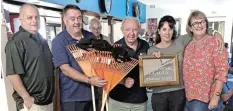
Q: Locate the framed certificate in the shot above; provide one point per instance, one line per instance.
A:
(161, 71)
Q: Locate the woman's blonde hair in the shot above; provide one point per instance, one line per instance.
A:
(196, 15)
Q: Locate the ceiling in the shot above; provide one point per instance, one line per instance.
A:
(154, 2)
(37, 2)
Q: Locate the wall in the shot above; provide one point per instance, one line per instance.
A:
(118, 7)
(117, 31)
(6, 100)
(118, 10)
(182, 8)
(54, 16)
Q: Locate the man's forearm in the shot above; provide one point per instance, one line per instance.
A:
(226, 97)
(18, 85)
(230, 70)
(74, 74)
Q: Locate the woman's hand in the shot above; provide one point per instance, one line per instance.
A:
(156, 54)
(213, 102)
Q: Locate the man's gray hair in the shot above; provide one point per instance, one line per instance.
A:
(130, 19)
(95, 20)
(22, 8)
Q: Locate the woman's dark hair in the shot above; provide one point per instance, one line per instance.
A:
(171, 21)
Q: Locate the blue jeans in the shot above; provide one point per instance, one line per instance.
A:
(196, 105)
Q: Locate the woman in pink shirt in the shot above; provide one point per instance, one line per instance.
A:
(204, 66)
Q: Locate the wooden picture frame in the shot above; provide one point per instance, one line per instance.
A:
(163, 71)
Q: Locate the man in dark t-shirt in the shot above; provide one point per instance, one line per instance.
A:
(128, 95)
(29, 65)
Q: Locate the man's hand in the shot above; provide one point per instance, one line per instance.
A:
(220, 40)
(231, 70)
(97, 81)
(28, 102)
(129, 82)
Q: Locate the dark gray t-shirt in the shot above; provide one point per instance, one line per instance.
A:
(177, 48)
(31, 59)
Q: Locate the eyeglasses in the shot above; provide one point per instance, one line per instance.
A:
(196, 24)
(98, 28)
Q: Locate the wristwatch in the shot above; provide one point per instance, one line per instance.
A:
(217, 93)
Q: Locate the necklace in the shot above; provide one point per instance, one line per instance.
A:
(198, 41)
(199, 46)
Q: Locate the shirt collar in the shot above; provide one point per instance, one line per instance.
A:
(69, 37)
(125, 45)
(30, 35)
(101, 37)
(21, 29)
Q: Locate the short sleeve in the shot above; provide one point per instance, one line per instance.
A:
(227, 87)
(14, 64)
(184, 39)
(59, 52)
(151, 50)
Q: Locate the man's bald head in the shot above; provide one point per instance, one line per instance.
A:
(130, 28)
(26, 7)
(130, 19)
(29, 18)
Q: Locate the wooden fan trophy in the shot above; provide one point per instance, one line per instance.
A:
(103, 65)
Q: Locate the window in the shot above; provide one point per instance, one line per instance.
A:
(217, 25)
(52, 30)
